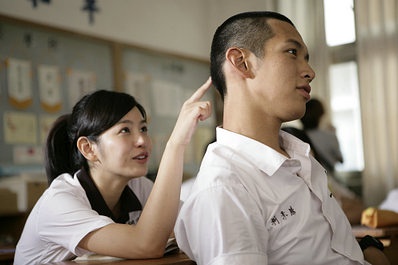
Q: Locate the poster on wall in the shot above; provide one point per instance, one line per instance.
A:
(19, 79)
(138, 85)
(80, 83)
(49, 87)
(168, 98)
(45, 123)
(20, 128)
(27, 155)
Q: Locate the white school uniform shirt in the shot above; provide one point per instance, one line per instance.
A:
(251, 205)
(62, 217)
(391, 201)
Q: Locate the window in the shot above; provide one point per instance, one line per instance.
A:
(346, 114)
(343, 82)
(339, 22)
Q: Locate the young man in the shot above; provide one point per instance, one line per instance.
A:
(259, 197)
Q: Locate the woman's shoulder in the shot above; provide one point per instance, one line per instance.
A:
(65, 183)
(65, 195)
(64, 188)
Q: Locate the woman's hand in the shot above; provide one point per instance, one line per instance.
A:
(193, 110)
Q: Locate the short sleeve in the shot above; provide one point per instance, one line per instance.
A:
(391, 201)
(222, 225)
(65, 217)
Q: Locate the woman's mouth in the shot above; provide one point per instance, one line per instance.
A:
(142, 156)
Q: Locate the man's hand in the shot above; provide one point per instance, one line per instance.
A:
(375, 256)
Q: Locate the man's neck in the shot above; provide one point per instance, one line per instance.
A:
(261, 131)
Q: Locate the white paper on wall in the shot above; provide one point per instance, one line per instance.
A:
(49, 87)
(19, 77)
(167, 98)
(45, 123)
(138, 85)
(20, 128)
(28, 155)
(80, 83)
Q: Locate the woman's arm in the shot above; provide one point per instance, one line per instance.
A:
(148, 238)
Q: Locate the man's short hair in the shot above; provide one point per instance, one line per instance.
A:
(249, 30)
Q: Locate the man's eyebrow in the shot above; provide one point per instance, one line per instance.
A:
(300, 46)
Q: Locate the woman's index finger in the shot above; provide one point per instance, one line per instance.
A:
(201, 91)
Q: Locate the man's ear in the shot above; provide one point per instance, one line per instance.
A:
(238, 58)
(86, 148)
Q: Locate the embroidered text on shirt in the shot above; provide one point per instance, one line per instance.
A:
(283, 216)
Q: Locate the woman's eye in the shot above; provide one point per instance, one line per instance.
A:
(144, 129)
(125, 130)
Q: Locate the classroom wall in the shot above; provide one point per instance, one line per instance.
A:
(44, 71)
(181, 30)
(182, 27)
(161, 25)
(166, 40)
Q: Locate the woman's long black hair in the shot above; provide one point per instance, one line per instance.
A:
(91, 116)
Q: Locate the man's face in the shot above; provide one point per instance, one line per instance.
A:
(282, 76)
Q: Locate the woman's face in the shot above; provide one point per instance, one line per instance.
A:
(124, 149)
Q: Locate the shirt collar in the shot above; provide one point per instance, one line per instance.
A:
(267, 159)
(129, 201)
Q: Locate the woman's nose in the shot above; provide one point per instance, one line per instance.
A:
(141, 140)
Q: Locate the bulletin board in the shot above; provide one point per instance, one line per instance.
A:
(44, 71)
(161, 84)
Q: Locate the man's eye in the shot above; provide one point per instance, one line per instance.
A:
(292, 51)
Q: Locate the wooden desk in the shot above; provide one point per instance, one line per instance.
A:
(361, 231)
(170, 259)
(387, 235)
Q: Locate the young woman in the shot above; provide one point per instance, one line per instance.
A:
(98, 200)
